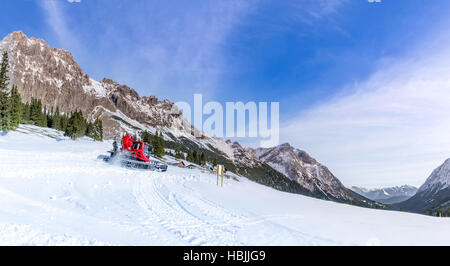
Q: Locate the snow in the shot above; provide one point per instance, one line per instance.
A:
(53, 191)
(225, 148)
(95, 88)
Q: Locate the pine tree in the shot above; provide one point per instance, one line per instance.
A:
(195, 157)
(76, 126)
(63, 122)
(90, 130)
(203, 159)
(215, 161)
(161, 145)
(5, 112)
(16, 108)
(95, 130)
(179, 155)
(158, 144)
(56, 119)
(43, 118)
(155, 142)
(190, 156)
(146, 136)
(99, 124)
(50, 116)
(26, 113)
(36, 116)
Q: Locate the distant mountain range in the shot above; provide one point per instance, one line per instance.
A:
(53, 76)
(434, 194)
(388, 195)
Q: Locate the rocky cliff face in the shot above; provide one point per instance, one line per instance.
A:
(300, 167)
(44, 72)
(53, 76)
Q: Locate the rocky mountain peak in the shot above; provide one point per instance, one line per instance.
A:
(35, 46)
(18, 36)
(439, 178)
(299, 166)
(150, 100)
(433, 194)
(285, 146)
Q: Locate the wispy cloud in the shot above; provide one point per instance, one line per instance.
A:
(56, 19)
(389, 130)
(317, 9)
(173, 49)
(311, 11)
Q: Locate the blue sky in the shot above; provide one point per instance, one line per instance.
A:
(318, 58)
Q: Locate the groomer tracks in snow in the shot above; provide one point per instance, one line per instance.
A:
(53, 191)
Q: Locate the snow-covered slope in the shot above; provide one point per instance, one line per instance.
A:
(53, 191)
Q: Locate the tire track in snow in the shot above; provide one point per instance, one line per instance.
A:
(198, 221)
(175, 214)
(195, 219)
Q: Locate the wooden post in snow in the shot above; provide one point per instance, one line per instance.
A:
(220, 170)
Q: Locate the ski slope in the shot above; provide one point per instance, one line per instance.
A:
(53, 191)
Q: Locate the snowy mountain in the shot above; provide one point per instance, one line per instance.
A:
(388, 195)
(301, 168)
(433, 194)
(439, 178)
(53, 76)
(57, 193)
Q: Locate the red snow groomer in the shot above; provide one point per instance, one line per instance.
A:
(135, 154)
